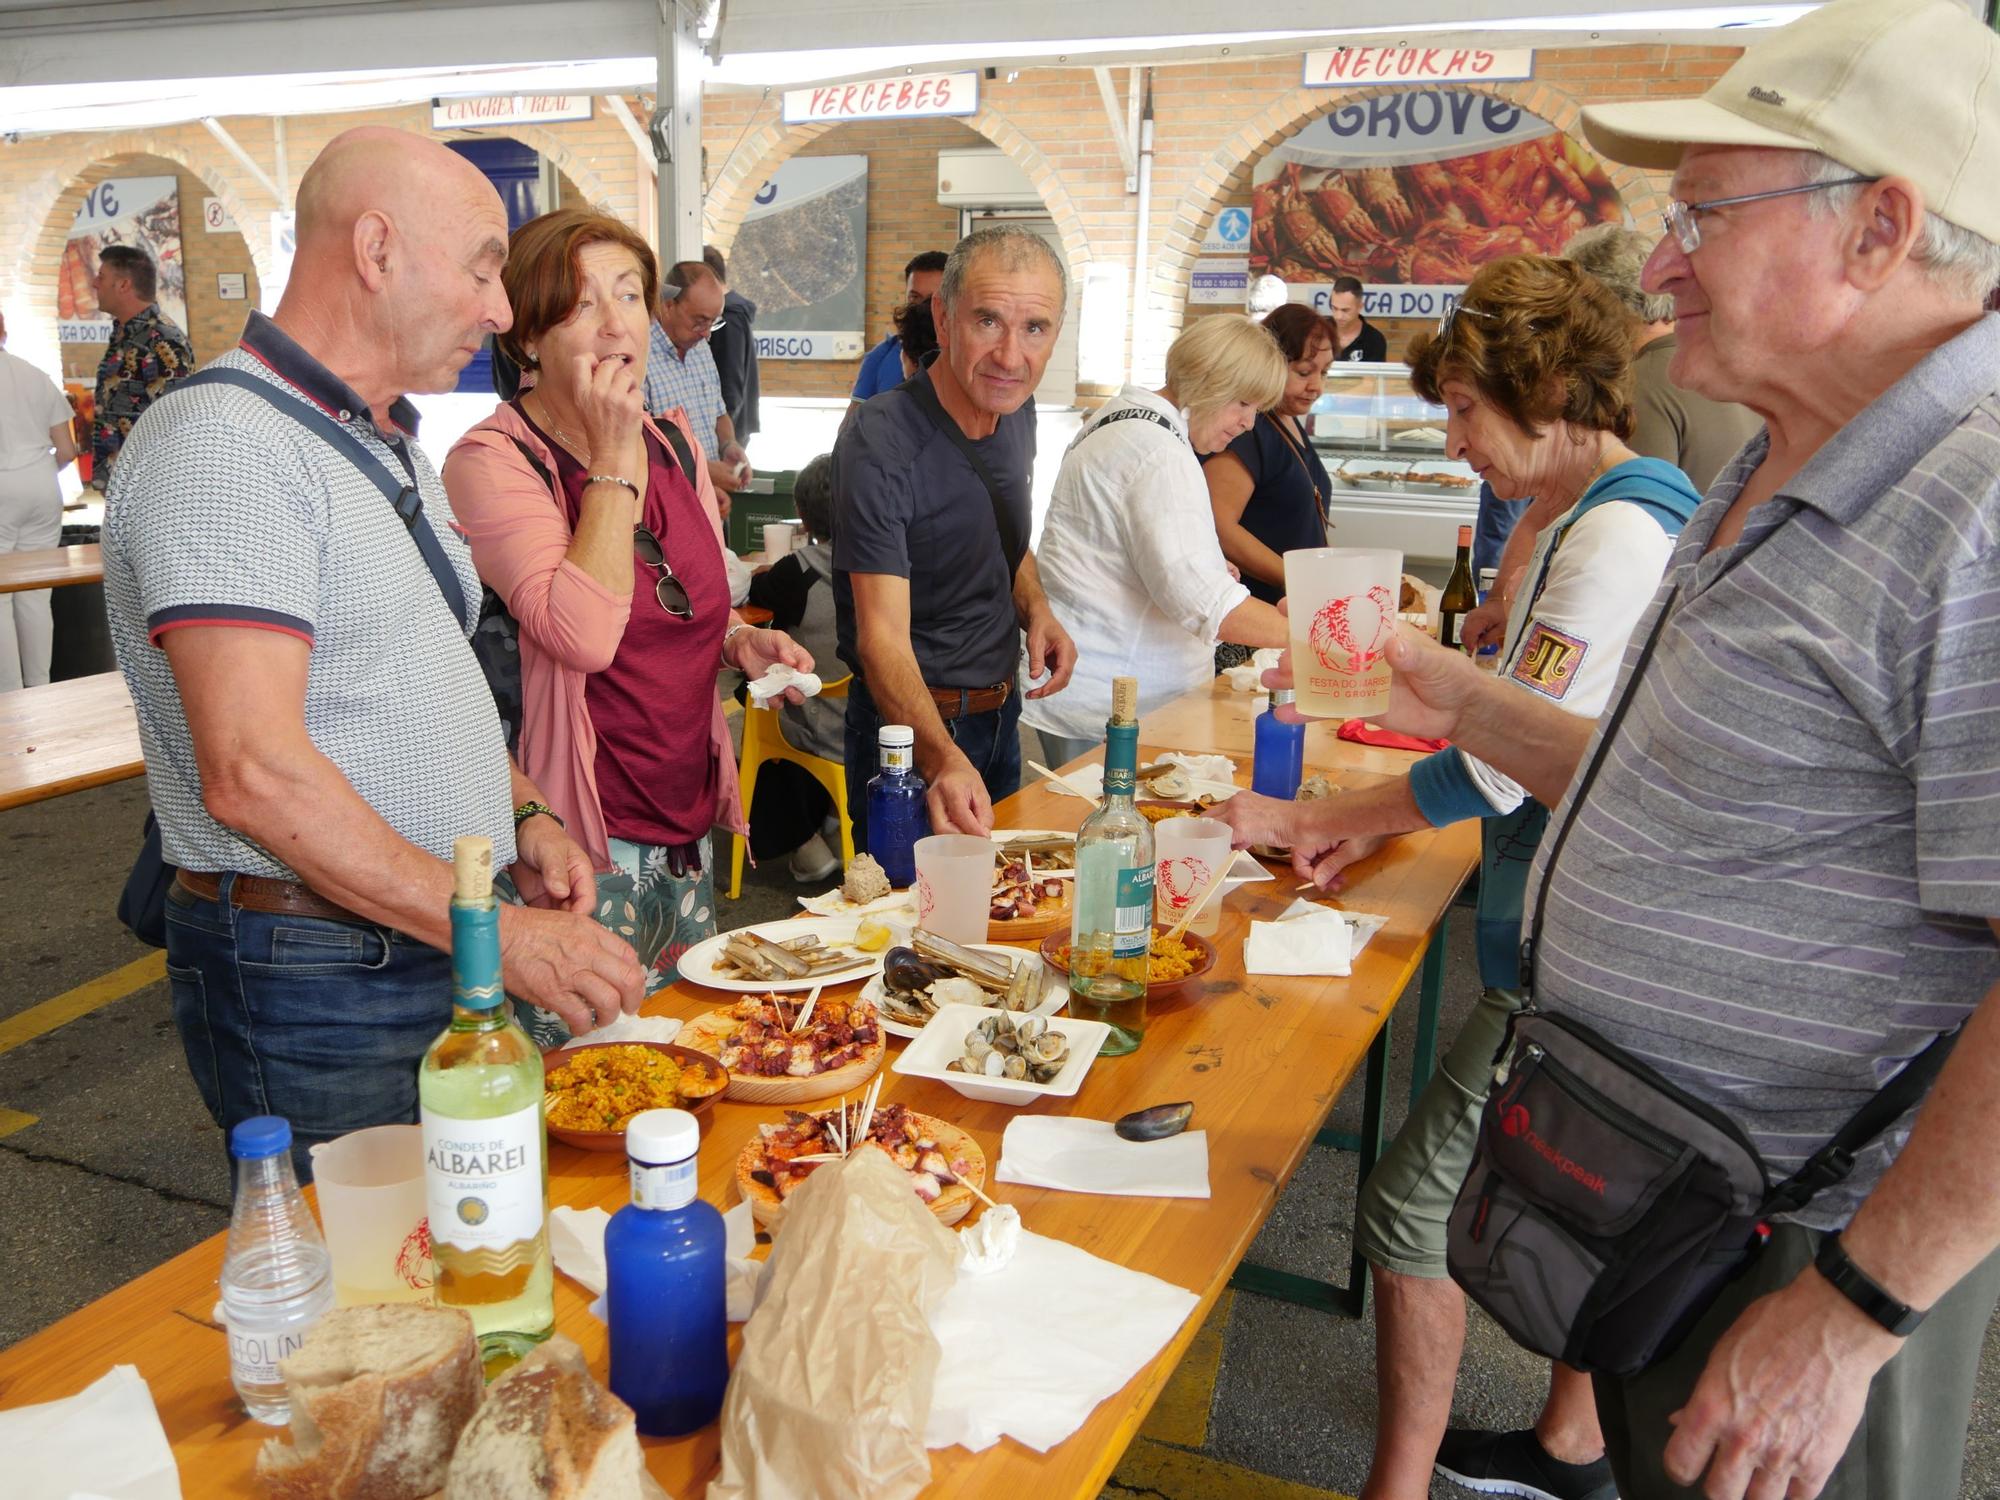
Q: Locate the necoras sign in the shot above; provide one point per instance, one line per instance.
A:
(1348, 67)
(885, 98)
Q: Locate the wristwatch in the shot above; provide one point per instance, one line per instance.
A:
(1858, 1287)
(529, 810)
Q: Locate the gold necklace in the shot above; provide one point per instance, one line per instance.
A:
(555, 428)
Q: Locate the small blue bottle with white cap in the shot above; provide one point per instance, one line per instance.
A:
(277, 1280)
(664, 1290)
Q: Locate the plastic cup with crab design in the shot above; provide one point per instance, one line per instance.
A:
(1192, 853)
(371, 1204)
(954, 890)
(1342, 602)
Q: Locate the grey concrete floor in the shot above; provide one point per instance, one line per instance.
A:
(123, 1169)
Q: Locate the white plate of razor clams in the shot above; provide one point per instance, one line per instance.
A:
(919, 980)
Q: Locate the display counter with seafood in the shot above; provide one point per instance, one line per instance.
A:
(1393, 485)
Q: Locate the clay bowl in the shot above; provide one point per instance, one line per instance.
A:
(1204, 952)
(555, 1060)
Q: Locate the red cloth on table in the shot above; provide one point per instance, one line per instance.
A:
(1363, 733)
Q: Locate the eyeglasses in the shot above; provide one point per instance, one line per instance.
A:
(1684, 219)
(670, 591)
(1451, 316)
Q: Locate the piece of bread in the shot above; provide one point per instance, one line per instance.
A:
(379, 1396)
(548, 1431)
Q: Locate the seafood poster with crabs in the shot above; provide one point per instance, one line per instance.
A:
(1412, 191)
(141, 211)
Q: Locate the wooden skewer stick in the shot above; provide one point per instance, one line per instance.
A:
(1063, 781)
(1174, 932)
(805, 1011)
(868, 1109)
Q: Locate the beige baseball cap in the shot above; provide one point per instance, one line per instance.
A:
(1909, 88)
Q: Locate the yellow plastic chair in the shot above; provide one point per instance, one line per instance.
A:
(764, 742)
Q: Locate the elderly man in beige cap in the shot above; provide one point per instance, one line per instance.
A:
(1766, 915)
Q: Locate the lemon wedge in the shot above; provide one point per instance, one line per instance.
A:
(871, 935)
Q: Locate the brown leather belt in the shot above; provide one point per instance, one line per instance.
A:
(285, 898)
(957, 703)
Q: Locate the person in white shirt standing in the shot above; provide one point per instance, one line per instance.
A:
(36, 442)
(1129, 554)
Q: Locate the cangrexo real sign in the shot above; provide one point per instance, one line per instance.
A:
(508, 109)
(902, 98)
(1350, 67)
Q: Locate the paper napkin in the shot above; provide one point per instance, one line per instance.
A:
(1088, 1156)
(576, 1241)
(106, 1440)
(1309, 938)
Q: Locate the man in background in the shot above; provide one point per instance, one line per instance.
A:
(1356, 340)
(882, 368)
(147, 353)
(681, 372)
(36, 441)
(733, 344)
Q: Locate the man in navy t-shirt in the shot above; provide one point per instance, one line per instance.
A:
(933, 580)
(882, 366)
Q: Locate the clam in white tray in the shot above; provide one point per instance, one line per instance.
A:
(1055, 990)
(944, 1041)
(700, 964)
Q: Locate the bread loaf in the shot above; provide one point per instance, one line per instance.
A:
(379, 1396)
(548, 1431)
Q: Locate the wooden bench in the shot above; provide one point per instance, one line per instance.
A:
(66, 736)
(52, 568)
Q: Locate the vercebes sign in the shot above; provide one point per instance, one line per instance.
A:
(885, 98)
(1349, 67)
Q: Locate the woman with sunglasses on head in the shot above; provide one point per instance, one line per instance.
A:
(582, 518)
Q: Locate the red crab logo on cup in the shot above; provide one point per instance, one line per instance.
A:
(926, 901)
(1349, 634)
(413, 1260)
(1515, 1120)
(1182, 878)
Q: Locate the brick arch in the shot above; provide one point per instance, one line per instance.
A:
(31, 258)
(767, 145)
(1227, 174)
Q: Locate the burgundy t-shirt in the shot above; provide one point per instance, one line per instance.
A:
(657, 780)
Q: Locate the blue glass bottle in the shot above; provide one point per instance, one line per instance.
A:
(664, 1294)
(896, 814)
(1280, 755)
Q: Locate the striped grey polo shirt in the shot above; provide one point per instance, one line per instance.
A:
(224, 511)
(1777, 892)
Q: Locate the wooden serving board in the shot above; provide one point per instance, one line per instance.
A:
(1050, 916)
(707, 1034)
(951, 1205)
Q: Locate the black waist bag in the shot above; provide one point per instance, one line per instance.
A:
(1606, 1208)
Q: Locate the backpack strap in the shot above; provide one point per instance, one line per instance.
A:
(402, 494)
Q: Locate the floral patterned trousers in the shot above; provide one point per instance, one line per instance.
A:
(660, 914)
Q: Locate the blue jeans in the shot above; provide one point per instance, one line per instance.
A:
(991, 741)
(322, 1022)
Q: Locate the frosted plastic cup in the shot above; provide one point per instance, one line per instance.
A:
(371, 1206)
(777, 539)
(1192, 853)
(1342, 602)
(955, 886)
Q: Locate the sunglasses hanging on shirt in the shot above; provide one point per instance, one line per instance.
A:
(669, 590)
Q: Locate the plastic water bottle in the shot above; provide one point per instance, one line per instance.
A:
(277, 1280)
(896, 814)
(1280, 755)
(664, 1283)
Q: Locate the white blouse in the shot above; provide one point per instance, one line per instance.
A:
(1132, 567)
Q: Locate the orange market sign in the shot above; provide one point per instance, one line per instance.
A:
(885, 98)
(508, 109)
(1352, 67)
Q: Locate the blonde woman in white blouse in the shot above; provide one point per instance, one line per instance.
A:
(1128, 553)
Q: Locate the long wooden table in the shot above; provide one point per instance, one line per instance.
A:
(51, 567)
(1263, 1060)
(65, 736)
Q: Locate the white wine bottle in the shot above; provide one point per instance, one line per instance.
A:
(1111, 923)
(486, 1153)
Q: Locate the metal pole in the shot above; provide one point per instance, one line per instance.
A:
(676, 132)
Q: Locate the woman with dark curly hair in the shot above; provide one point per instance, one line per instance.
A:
(1534, 368)
(1268, 489)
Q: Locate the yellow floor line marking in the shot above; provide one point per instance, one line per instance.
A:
(1180, 1416)
(39, 1020)
(12, 1120)
(1152, 1469)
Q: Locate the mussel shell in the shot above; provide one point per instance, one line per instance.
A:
(907, 970)
(1155, 1123)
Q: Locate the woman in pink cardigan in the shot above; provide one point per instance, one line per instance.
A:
(583, 521)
